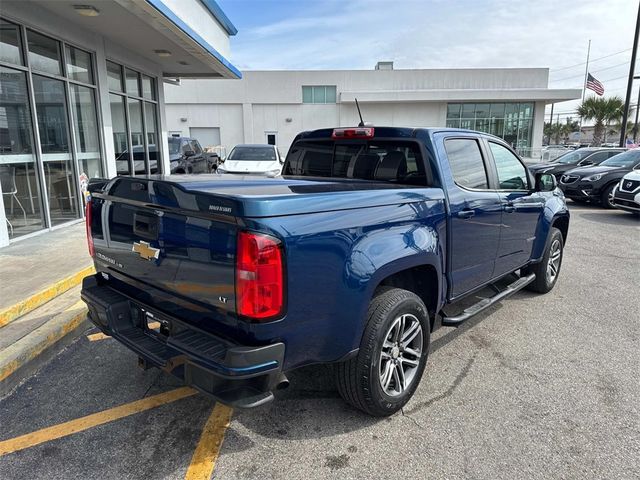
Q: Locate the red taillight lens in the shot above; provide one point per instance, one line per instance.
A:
(87, 219)
(259, 276)
(359, 132)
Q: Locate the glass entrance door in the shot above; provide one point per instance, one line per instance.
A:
(18, 170)
(59, 172)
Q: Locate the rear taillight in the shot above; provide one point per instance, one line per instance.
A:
(259, 276)
(87, 219)
(357, 132)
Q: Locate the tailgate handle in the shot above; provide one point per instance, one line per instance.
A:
(145, 226)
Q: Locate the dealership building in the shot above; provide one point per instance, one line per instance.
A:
(82, 95)
(273, 106)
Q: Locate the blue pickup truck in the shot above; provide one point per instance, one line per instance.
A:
(370, 239)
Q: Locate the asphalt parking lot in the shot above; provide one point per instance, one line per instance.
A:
(538, 387)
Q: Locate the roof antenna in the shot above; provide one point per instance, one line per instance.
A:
(361, 124)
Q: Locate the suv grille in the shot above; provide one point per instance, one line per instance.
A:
(569, 178)
(629, 185)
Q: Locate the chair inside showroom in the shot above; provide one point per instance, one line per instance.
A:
(9, 189)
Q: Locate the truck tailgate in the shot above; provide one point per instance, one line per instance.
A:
(168, 248)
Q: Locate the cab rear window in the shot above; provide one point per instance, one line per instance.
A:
(396, 162)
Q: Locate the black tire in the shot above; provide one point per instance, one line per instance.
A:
(543, 282)
(607, 196)
(359, 379)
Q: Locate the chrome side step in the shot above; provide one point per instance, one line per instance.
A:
(485, 303)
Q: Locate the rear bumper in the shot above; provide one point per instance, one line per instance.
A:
(237, 375)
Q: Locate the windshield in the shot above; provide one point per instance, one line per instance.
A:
(254, 154)
(573, 157)
(174, 146)
(626, 159)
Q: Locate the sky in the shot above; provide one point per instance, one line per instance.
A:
(355, 34)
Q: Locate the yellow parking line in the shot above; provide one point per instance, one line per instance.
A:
(93, 420)
(204, 458)
(94, 337)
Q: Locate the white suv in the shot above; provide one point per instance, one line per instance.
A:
(626, 195)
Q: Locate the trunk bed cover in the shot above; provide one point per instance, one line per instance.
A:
(247, 196)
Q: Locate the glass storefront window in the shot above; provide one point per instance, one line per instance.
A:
(114, 76)
(137, 136)
(85, 120)
(44, 53)
(59, 172)
(18, 171)
(10, 44)
(119, 127)
(137, 142)
(151, 118)
(148, 87)
(132, 81)
(510, 120)
(41, 184)
(79, 65)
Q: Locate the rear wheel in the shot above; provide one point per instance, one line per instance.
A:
(385, 373)
(548, 269)
(607, 196)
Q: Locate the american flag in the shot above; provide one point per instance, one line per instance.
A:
(595, 85)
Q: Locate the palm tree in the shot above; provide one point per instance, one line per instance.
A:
(568, 128)
(602, 111)
(553, 131)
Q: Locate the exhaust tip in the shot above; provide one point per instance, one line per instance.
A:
(283, 382)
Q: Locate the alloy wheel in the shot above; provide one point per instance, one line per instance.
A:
(553, 265)
(400, 355)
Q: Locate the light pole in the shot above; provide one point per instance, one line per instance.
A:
(635, 124)
(632, 67)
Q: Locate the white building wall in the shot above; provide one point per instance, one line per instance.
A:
(202, 22)
(271, 101)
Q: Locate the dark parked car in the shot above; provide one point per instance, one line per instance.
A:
(139, 162)
(581, 157)
(596, 183)
(186, 156)
(366, 244)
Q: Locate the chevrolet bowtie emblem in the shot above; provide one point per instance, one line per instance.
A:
(145, 250)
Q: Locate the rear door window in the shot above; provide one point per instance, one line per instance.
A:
(466, 163)
(383, 161)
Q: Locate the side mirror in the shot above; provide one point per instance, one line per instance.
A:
(584, 163)
(189, 153)
(545, 182)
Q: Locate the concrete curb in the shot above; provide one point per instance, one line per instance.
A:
(19, 357)
(34, 301)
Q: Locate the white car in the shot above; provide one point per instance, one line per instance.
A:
(550, 152)
(626, 195)
(251, 159)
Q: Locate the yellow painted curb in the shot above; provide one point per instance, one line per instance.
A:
(34, 301)
(32, 345)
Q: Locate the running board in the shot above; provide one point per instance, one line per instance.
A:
(487, 302)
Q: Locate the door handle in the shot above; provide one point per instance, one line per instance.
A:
(509, 207)
(466, 213)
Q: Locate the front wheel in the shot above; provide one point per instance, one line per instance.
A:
(607, 196)
(548, 269)
(385, 373)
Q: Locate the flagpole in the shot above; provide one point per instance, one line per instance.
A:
(584, 85)
(586, 71)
